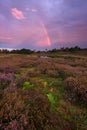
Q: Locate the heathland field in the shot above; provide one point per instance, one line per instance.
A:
(43, 91)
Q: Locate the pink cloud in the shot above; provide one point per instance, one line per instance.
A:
(34, 10)
(27, 9)
(5, 38)
(17, 14)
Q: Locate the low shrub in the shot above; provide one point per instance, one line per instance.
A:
(28, 110)
(75, 91)
(21, 79)
(5, 80)
(12, 112)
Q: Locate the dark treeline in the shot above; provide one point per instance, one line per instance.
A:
(16, 51)
(28, 51)
(67, 49)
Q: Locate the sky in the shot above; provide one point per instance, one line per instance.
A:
(43, 24)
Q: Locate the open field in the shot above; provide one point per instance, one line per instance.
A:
(43, 93)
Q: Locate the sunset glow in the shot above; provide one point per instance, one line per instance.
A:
(43, 24)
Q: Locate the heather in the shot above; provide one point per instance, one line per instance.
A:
(43, 93)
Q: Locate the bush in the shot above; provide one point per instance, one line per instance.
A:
(12, 112)
(76, 91)
(5, 80)
(28, 110)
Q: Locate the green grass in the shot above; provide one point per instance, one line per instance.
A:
(27, 85)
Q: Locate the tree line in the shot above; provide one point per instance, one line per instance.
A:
(28, 51)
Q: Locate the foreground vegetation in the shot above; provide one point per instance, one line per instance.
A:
(43, 93)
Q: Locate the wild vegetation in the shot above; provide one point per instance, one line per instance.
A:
(43, 93)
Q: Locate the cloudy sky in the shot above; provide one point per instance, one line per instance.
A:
(41, 24)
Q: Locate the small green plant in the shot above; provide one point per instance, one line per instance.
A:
(17, 76)
(27, 85)
(45, 84)
(45, 91)
(55, 82)
(60, 89)
(59, 81)
(67, 118)
(51, 98)
(72, 110)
